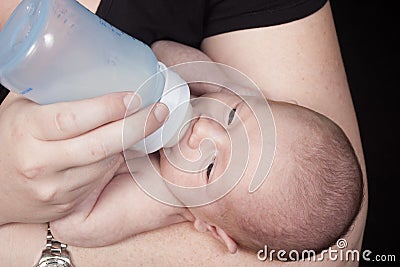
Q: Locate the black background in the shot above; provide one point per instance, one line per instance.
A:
(367, 34)
(368, 38)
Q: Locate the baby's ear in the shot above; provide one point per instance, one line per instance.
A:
(222, 236)
(218, 233)
(200, 225)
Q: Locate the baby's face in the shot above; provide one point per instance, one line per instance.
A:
(223, 124)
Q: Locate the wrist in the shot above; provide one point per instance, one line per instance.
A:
(29, 237)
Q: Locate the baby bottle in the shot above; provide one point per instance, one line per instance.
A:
(57, 50)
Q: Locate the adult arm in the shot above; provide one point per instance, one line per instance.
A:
(301, 62)
(176, 245)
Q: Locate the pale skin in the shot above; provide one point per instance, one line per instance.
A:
(47, 147)
(124, 210)
(303, 55)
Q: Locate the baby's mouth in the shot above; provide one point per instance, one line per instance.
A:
(182, 131)
(186, 157)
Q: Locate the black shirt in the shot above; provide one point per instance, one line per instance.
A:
(190, 21)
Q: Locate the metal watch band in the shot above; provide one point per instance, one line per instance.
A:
(55, 254)
(55, 247)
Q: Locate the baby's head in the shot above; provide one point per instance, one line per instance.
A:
(311, 195)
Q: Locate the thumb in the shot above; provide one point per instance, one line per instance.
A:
(65, 120)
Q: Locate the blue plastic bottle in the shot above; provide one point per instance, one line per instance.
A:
(57, 50)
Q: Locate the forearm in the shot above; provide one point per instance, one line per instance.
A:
(21, 244)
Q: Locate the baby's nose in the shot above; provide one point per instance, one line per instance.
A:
(206, 128)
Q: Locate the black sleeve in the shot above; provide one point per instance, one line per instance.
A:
(232, 15)
(190, 21)
(3, 93)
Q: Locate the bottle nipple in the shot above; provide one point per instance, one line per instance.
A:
(176, 96)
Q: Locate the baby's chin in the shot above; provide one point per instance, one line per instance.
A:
(164, 163)
(167, 169)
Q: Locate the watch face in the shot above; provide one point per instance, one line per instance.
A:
(54, 262)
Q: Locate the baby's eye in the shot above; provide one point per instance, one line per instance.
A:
(231, 116)
(209, 169)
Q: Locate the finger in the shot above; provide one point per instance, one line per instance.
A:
(134, 132)
(107, 140)
(70, 119)
(78, 177)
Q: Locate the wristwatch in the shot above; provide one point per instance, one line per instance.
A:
(55, 254)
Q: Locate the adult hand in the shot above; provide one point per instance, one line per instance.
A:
(122, 205)
(54, 156)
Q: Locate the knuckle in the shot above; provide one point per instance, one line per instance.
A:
(65, 120)
(29, 168)
(45, 194)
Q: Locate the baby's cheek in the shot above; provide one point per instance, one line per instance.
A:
(178, 176)
(183, 179)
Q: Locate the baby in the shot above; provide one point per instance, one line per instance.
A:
(310, 198)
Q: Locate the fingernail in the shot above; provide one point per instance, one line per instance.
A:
(132, 103)
(161, 112)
